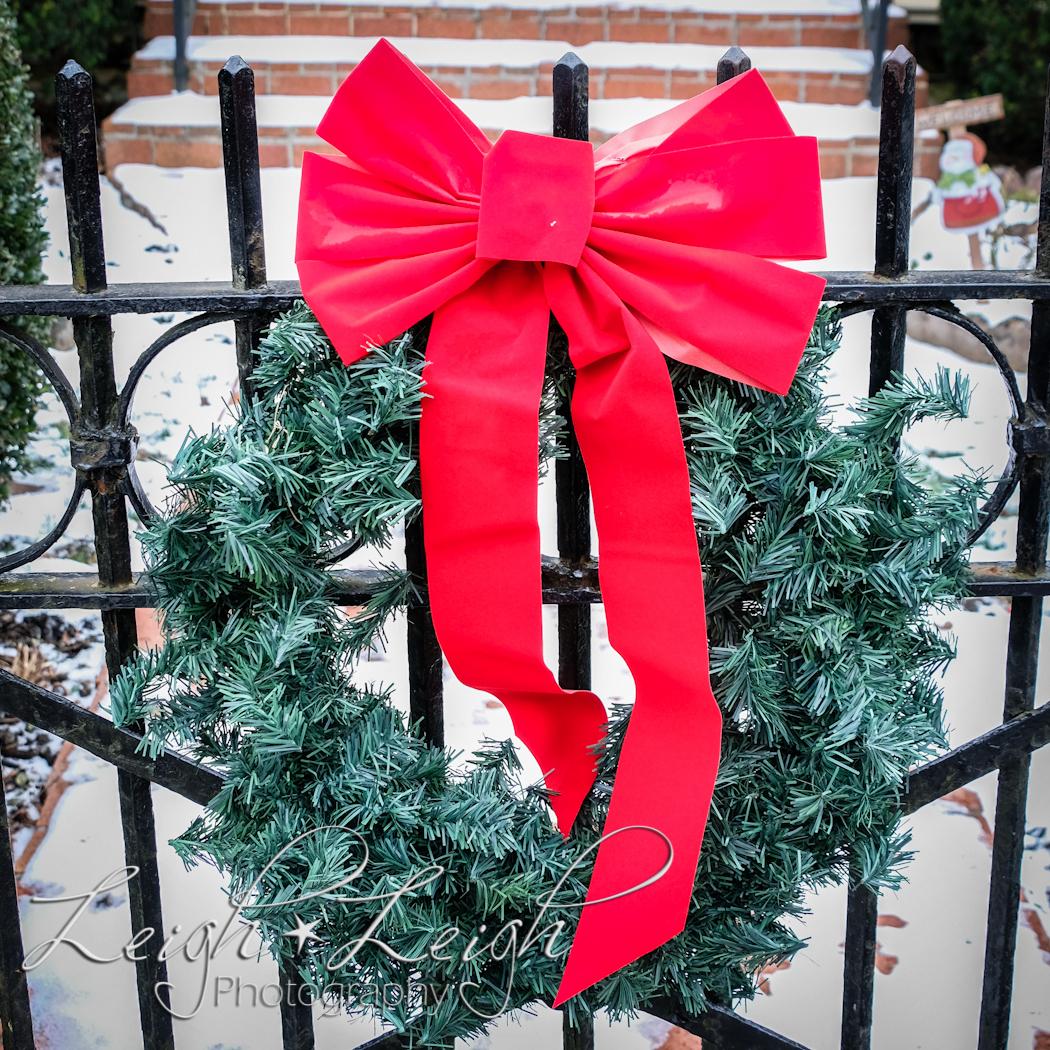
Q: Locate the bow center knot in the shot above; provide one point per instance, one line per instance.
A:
(537, 199)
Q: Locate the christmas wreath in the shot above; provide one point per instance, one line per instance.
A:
(824, 554)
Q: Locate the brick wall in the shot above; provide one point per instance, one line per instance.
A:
(156, 77)
(201, 147)
(577, 25)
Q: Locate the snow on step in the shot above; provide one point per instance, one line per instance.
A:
(182, 130)
(748, 23)
(502, 69)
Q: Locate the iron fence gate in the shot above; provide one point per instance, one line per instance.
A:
(102, 449)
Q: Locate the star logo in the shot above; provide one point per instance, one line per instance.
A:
(303, 932)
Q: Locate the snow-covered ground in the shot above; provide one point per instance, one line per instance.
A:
(928, 987)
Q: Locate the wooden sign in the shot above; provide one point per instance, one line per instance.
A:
(959, 112)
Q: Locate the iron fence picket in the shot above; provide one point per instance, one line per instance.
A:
(1022, 667)
(102, 449)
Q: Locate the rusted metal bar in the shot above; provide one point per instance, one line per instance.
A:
(16, 1018)
(102, 738)
(425, 663)
(919, 286)
(101, 452)
(721, 1029)
(892, 230)
(995, 749)
(1022, 667)
(731, 64)
(563, 584)
(573, 491)
(183, 12)
(893, 210)
(240, 152)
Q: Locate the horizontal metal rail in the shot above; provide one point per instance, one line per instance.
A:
(1024, 734)
(55, 714)
(720, 1027)
(102, 738)
(188, 297)
(562, 585)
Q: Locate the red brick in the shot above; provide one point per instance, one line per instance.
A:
(927, 164)
(255, 25)
(271, 7)
(450, 87)
(765, 36)
(849, 91)
(127, 151)
(158, 23)
(828, 36)
(633, 86)
(647, 32)
(272, 133)
(864, 163)
(285, 67)
(188, 155)
(301, 85)
(576, 33)
(896, 32)
(702, 34)
(498, 88)
(510, 30)
(314, 147)
(273, 156)
(319, 25)
(832, 165)
(446, 28)
(922, 92)
(784, 85)
(383, 27)
(140, 84)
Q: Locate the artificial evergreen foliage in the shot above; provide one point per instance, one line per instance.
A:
(22, 241)
(1002, 46)
(823, 558)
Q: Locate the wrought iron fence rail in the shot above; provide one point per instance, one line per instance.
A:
(563, 583)
(918, 286)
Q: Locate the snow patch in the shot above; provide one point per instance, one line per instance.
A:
(514, 54)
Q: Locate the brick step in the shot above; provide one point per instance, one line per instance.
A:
(183, 130)
(747, 23)
(500, 69)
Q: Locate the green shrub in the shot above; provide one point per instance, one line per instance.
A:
(64, 29)
(1002, 45)
(22, 240)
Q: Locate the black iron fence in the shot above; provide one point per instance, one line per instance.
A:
(103, 445)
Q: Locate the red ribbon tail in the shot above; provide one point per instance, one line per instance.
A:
(627, 424)
(479, 437)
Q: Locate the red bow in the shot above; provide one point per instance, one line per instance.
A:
(654, 244)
